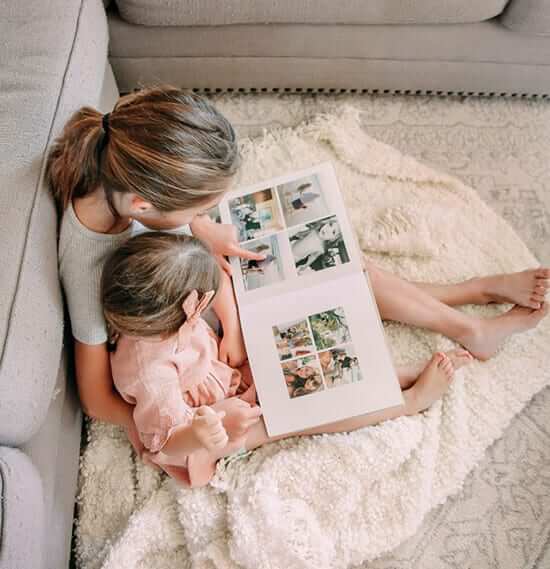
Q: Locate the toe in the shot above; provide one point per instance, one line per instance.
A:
(543, 273)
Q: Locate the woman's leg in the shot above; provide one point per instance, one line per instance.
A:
(402, 301)
(526, 288)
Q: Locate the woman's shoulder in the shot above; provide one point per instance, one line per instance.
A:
(85, 244)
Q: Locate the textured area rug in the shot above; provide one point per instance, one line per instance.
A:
(500, 147)
(367, 491)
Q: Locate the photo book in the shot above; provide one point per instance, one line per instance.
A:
(311, 326)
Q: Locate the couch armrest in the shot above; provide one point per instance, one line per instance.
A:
(21, 511)
(529, 16)
(52, 61)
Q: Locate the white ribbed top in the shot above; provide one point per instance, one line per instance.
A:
(82, 254)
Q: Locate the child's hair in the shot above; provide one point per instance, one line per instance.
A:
(146, 280)
(171, 147)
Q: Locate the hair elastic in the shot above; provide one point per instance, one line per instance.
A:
(105, 122)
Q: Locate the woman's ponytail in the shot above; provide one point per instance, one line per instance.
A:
(72, 168)
(169, 146)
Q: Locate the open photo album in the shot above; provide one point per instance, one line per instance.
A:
(312, 330)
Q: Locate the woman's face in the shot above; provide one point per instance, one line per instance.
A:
(152, 218)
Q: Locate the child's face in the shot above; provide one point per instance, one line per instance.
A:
(329, 231)
(305, 371)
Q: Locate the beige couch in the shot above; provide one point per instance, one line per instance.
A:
(438, 46)
(53, 59)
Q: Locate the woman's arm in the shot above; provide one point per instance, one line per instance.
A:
(225, 305)
(232, 349)
(98, 396)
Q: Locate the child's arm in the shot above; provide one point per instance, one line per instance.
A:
(232, 349)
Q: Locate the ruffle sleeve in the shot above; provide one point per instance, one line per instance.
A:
(160, 409)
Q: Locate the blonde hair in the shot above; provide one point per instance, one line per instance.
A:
(145, 282)
(171, 147)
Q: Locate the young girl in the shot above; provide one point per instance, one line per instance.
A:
(190, 407)
(162, 157)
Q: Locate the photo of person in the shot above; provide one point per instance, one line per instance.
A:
(330, 328)
(302, 376)
(340, 366)
(302, 200)
(258, 274)
(256, 215)
(318, 245)
(293, 339)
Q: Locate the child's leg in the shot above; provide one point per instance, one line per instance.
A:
(430, 386)
(402, 301)
(409, 373)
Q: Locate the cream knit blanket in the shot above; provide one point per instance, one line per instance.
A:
(335, 500)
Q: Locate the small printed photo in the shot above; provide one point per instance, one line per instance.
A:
(256, 215)
(302, 376)
(293, 339)
(318, 245)
(302, 200)
(330, 328)
(340, 366)
(257, 274)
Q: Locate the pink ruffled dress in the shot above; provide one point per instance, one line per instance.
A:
(168, 379)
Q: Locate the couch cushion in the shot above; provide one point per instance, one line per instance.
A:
(530, 16)
(485, 41)
(21, 511)
(52, 61)
(219, 12)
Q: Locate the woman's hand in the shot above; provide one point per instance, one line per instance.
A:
(232, 349)
(222, 240)
(208, 428)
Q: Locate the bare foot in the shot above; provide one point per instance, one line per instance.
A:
(409, 374)
(526, 288)
(487, 335)
(432, 383)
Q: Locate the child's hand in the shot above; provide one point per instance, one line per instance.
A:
(240, 416)
(232, 350)
(208, 428)
(222, 240)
